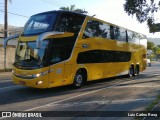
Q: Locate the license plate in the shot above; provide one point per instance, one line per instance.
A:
(22, 82)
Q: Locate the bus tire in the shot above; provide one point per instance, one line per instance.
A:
(131, 71)
(136, 71)
(78, 79)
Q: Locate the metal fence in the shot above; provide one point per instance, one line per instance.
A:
(10, 56)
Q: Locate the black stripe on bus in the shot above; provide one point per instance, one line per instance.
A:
(103, 56)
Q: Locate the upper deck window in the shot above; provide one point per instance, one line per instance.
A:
(103, 30)
(96, 29)
(39, 23)
(135, 37)
(69, 23)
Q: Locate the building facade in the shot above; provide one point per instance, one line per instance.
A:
(10, 51)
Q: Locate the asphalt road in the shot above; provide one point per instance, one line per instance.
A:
(114, 97)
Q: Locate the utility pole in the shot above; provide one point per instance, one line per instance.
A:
(5, 18)
(5, 28)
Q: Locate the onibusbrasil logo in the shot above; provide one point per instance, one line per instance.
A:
(21, 114)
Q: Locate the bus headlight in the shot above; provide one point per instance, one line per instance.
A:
(39, 74)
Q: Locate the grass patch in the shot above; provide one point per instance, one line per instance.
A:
(153, 104)
(150, 107)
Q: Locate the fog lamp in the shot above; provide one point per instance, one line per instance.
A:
(39, 82)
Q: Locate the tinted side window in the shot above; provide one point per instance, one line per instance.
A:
(111, 32)
(131, 37)
(69, 23)
(120, 34)
(57, 55)
(103, 56)
(103, 30)
(134, 37)
(96, 29)
(116, 33)
(61, 48)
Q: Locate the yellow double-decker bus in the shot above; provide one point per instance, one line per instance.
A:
(59, 48)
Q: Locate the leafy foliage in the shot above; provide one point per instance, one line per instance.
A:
(143, 9)
(150, 45)
(73, 9)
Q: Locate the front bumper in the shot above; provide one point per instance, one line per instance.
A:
(40, 82)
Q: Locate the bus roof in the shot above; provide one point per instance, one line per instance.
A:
(80, 14)
(62, 11)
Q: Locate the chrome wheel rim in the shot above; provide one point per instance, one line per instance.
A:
(136, 71)
(130, 72)
(79, 80)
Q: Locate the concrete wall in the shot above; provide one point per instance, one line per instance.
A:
(10, 56)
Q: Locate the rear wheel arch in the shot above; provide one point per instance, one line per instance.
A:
(80, 77)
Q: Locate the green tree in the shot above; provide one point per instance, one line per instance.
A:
(73, 9)
(143, 9)
(158, 51)
(150, 45)
(155, 49)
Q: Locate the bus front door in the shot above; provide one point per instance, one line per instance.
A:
(56, 75)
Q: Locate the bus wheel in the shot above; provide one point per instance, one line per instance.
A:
(78, 79)
(131, 71)
(136, 71)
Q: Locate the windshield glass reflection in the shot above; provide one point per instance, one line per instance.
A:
(39, 23)
(28, 55)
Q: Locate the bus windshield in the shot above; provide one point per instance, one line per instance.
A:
(39, 24)
(28, 56)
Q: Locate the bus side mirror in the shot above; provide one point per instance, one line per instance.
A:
(7, 39)
(43, 36)
(48, 34)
